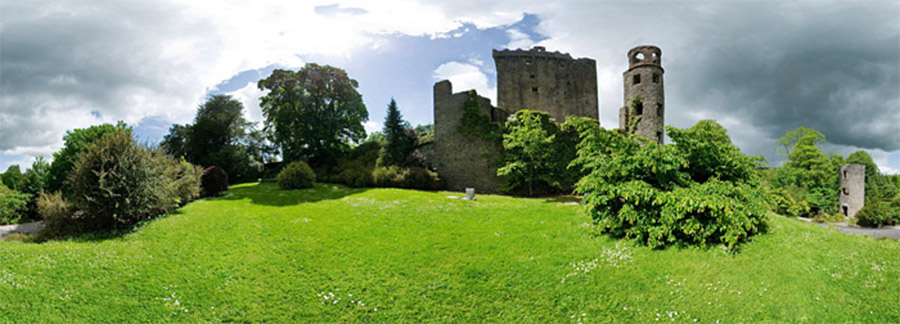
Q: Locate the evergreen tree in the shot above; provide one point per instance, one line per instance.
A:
(399, 142)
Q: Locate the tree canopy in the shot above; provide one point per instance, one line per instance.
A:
(77, 141)
(220, 136)
(313, 113)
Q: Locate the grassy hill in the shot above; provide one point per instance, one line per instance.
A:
(340, 255)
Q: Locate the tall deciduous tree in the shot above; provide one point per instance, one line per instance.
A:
(808, 169)
(220, 136)
(529, 151)
(313, 113)
(401, 140)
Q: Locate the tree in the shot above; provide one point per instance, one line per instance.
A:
(220, 136)
(792, 137)
(313, 113)
(401, 140)
(529, 153)
(76, 141)
(13, 177)
(808, 170)
(37, 177)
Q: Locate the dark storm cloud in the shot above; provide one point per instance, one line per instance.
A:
(834, 68)
(63, 67)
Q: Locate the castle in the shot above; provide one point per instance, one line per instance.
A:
(536, 79)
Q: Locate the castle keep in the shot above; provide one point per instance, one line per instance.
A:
(535, 79)
(644, 79)
(853, 189)
(548, 81)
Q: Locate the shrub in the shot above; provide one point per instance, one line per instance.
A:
(660, 195)
(13, 205)
(214, 180)
(410, 178)
(297, 175)
(787, 204)
(875, 213)
(184, 178)
(837, 217)
(116, 183)
(54, 210)
(357, 176)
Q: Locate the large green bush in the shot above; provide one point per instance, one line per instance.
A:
(786, 203)
(297, 175)
(13, 205)
(76, 141)
(184, 178)
(661, 195)
(116, 182)
(410, 178)
(876, 213)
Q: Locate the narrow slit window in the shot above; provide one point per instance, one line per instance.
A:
(845, 174)
(639, 108)
(659, 109)
(637, 79)
(655, 78)
(534, 89)
(846, 191)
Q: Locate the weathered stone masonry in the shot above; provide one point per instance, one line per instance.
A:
(853, 188)
(526, 79)
(463, 160)
(547, 81)
(644, 78)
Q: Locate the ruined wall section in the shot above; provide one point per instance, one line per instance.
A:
(853, 188)
(463, 161)
(547, 81)
(644, 78)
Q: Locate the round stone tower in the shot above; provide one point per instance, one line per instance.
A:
(644, 79)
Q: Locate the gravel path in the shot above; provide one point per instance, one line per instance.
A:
(27, 228)
(887, 231)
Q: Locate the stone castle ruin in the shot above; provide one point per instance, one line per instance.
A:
(552, 82)
(536, 79)
(853, 189)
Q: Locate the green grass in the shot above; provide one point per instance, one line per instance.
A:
(262, 254)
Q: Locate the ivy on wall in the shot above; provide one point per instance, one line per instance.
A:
(474, 122)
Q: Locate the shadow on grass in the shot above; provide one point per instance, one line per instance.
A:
(49, 234)
(269, 194)
(563, 199)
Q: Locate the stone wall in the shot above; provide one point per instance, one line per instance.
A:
(547, 81)
(853, 188)
(644, 78)
(463, 161)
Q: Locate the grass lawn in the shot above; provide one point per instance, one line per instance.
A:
(334, 254)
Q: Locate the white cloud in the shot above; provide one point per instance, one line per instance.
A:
(372, 126)
(249, 96)
(518, 39)
(465, 76)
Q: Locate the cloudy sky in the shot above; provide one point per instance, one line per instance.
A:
(757, 67)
